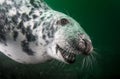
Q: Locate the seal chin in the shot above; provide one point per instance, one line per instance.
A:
(68, 56)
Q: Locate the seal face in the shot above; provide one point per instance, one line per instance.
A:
(69, 40)
(31, 32)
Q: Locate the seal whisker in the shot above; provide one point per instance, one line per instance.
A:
(96, 54)
(51, 62)
(83, 64)
(93, 58)
(57, 63)
(51, 66)
(88, 62)
(62, 65)
(91, 64)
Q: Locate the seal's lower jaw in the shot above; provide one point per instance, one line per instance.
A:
(67, 56)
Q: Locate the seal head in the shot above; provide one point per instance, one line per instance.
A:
(32, 32)
(69, 40)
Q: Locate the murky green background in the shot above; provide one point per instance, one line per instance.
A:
(101, 20)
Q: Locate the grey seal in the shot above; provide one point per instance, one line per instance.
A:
(32, 32)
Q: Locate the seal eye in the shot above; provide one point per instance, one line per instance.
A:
(63, 21)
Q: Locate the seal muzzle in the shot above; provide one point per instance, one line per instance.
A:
(88, 47)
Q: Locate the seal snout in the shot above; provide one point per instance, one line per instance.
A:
(85, 46)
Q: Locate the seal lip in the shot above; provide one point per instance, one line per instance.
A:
(67, 55)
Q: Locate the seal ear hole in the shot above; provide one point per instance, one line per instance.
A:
(62, 21)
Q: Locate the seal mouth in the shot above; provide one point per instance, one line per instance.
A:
(68, 56)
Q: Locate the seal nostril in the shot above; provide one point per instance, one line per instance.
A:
(88, 47)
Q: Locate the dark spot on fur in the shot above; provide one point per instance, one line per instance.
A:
(15, 19)
(6, 6)
(36, 3)
(9, 55)
(28, 6)
(26, 48)
(43, 30)
(23, 31)
(49, 35)
(41, 12)
(46, 23)
(41, 44)
(2, 37)
(44, 36)
(27, 31)
(52, 30)
(34, 16)
(35, 25)
(30, 12)
(36, 44)
(15, 35)
(30, 37)
(25, 17)
(21, 26)
(46, 42)
(42, 18)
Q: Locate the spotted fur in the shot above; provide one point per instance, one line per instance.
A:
(19, 23)
(27, 30)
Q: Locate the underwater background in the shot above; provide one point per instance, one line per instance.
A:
(101, 20)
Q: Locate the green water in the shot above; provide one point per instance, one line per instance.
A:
(101, 20)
